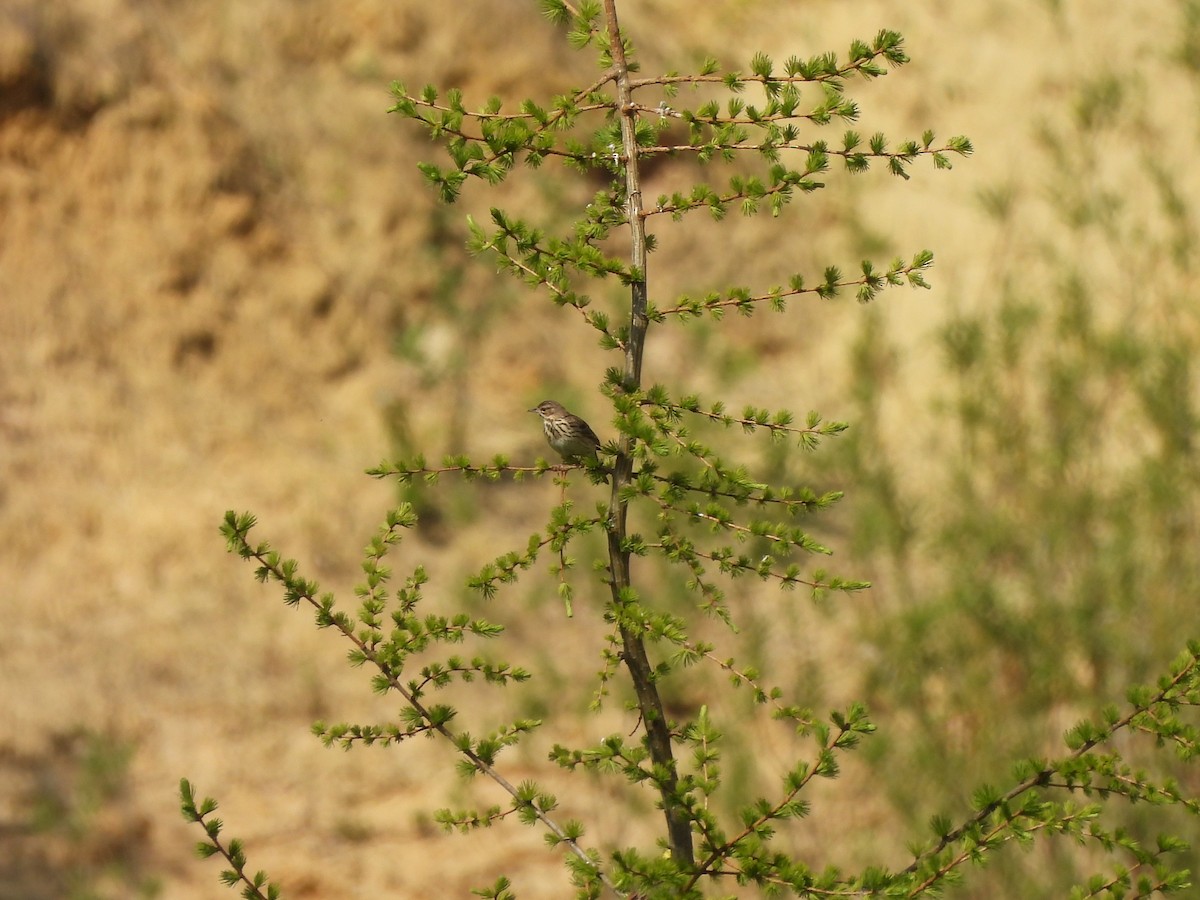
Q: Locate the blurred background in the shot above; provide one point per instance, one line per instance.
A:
(223, 285)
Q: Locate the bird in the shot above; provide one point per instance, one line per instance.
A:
(568, 435)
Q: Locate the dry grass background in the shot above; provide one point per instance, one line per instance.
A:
(210, 238)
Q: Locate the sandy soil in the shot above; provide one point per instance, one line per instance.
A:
(213, 244)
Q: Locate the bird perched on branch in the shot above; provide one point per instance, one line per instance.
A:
(568, 435)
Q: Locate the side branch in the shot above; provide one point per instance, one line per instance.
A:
(904, 154)
(868, 285)
(1180, 689)
(407, 471)
(270, 567)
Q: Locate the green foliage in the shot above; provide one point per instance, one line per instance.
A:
(254, 887)
(73, 828)
(711, 522)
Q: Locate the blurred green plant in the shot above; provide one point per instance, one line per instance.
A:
(77, 836)
(1046, 557)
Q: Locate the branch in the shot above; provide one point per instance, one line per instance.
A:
(298, 589)
(869, 284)
(852, 154)
(1041, 776)
(407, 472)
(234, 855)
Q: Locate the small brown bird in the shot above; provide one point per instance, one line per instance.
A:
(568, 435)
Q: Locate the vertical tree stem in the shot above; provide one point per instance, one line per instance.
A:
(658, 736)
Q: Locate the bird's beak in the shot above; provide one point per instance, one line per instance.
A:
(532, 410)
